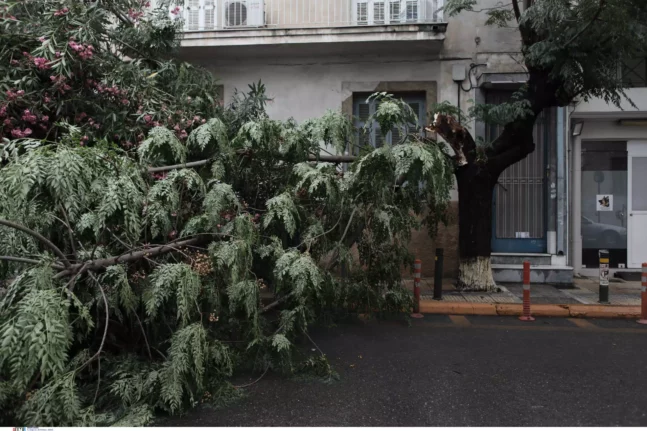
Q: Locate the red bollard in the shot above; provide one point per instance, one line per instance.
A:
(526, 317)
(416, 289)
(643, 297)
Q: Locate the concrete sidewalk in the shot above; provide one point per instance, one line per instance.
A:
(547, 300)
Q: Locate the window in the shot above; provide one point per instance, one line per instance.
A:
(380, 12)
(634, 73)
(412, 10)
(362, 13)
(375, 137)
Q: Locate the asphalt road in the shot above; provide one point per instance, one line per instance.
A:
(459, 371)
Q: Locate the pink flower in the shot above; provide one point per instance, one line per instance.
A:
(97, 126)
(134, 15)
(7, 122)
(147, 118)
(61, 12)
(29, 117)
(42, 39)
(20, 92)
(203, 121)
(58, 54)
(3, 110)
(41, 63)
(183, 134)
(44, 118)
(47, 99)
(176, 128)
(17, 133)
(176, 10)
(14, 62)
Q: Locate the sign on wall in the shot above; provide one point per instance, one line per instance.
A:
(604, 202)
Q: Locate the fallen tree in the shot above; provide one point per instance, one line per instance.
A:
(137, 282)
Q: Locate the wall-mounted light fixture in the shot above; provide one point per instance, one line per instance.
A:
(577, 128)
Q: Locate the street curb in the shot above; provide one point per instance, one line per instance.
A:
(540, 310)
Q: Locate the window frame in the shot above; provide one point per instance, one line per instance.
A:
(408, 97)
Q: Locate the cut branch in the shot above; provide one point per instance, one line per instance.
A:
(39, 237)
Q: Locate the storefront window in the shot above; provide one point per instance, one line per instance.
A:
(604, 202)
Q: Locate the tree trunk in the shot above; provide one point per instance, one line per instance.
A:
(475, 187)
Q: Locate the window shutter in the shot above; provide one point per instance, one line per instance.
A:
(209, 15)
(193, 15)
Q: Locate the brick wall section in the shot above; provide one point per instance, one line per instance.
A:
(424, 247)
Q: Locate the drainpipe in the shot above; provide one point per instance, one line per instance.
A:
(562, 210)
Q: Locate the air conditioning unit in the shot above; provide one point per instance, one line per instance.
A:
(244, 13)
(386, 12)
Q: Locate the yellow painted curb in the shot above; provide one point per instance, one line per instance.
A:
(439, 307)
(605, 311)
(539, 310)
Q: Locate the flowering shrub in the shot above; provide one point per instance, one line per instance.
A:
(56, 71)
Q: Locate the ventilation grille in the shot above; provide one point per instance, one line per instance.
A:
(236, 14)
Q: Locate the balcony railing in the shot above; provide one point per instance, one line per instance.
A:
(213, 15)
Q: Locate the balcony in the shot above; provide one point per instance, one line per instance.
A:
(337, 27)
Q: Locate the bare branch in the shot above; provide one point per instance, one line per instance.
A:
(517, 11)
(39, 237)
(311, 158)
(98, 264)
(25, 260)
(586, 27)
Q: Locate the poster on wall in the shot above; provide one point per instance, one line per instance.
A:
(604, 202)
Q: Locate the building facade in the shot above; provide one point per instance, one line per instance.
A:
(608, 163)
(316, 55)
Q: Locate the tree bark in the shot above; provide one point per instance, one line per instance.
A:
(475, 187)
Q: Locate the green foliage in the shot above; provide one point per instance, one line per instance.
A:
(573, 48)
(184, 257)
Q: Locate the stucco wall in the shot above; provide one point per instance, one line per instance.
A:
(595, 106)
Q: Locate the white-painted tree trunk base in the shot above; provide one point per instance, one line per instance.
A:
(475, 275)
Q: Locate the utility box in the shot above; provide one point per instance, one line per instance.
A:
(458, 73)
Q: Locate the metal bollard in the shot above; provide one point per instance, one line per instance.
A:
(604, 276)
(438, 275)
(526, 317)
(417, 267)
(643, 297)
